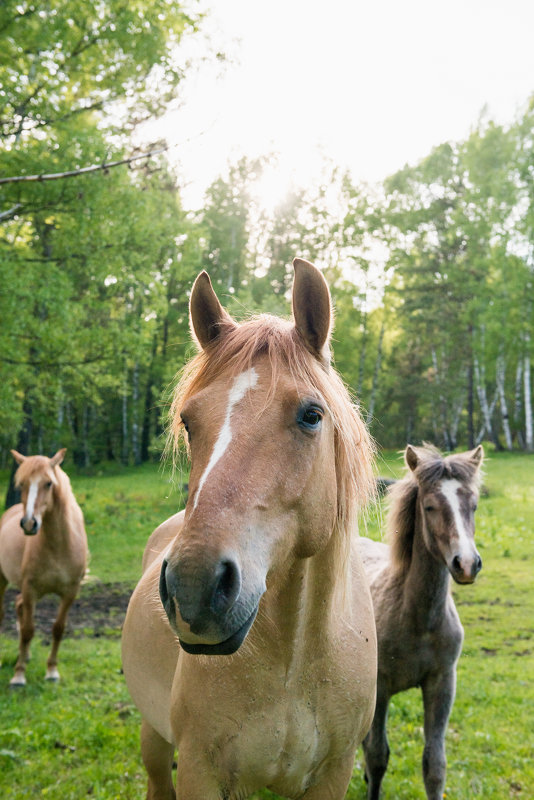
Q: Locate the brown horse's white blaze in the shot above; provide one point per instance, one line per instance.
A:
(431, 529)
(49, 554)
(273, 682)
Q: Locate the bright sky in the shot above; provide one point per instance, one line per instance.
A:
(369, 85)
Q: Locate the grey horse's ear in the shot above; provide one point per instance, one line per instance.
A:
(411, 457)
(208, 319)
(312, 309)
(19, 458)
(476, 456)
(57, 459)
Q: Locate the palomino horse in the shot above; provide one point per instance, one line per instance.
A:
(249, 643)
(431, 529)
(43, 550)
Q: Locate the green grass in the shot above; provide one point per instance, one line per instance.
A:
(80, 738)
(121, 509)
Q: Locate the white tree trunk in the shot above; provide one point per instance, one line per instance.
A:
(376, 374)
(135, 415)
(518, 404)
(529, 438)
(502, 400)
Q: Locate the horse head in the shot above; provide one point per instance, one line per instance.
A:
(448, 490)
(257, 410)
(36, 478)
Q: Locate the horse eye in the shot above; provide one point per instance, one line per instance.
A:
(310, 417)
(48, 484)
(186, 426)
(430, 508)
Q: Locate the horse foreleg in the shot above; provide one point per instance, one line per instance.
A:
(3, 586)
(334, 784)
(58, 628)
(25, 605)
(376, 748)
(158, 757)
(438, 697)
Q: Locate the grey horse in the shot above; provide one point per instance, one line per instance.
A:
(430, 526)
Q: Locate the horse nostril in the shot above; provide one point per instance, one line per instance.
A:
(163, 590)
(227, 586)
(478, 564)
(456, 564)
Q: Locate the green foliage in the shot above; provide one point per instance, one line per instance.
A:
(87, 265)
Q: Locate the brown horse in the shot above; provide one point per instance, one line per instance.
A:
(431, 529)
(43, 550)
(249, 643)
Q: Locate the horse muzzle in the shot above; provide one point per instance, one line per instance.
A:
(465, 570)
(207, 608)
(30, 525)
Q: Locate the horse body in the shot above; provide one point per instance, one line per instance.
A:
(260, 666)
(418, 628)
(43, 550)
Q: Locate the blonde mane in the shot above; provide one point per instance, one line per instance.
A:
(402, 498)
(235, 350)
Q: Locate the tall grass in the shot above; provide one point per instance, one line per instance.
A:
(80, 738)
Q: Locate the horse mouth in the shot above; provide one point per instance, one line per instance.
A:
(225, 648)
(462, 580)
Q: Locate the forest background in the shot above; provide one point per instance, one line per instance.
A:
(431, 270)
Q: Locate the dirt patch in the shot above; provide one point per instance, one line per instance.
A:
(98, 611)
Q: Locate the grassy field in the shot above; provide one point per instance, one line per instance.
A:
(80, 738)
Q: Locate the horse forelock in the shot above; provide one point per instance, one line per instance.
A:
(430, 471)
(35, 467)
(235, 351)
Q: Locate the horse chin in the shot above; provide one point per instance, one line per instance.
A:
(225, 648)
(462, 580)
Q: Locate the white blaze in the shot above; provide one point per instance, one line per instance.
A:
(32, 497)
(449, 488)
(242, 384)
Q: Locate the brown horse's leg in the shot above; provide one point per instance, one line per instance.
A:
(334, 784)
(25, 605)
(376, 748)
(438, 697)
(194, 778)
(3, 586)
(158, 756)
(52, 673)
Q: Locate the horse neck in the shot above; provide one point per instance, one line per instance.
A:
(427, 581)
(297, 609)
(56, 521)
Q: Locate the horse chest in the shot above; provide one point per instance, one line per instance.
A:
(50, 572)
(405, 662)
(264, 738)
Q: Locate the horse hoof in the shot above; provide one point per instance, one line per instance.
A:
(17, 682)
(52, 675)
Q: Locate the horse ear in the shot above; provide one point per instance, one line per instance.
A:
(312, 308)
(19, 458)
(207, 316)
(476, 456)
(56, 460)
(411, 457)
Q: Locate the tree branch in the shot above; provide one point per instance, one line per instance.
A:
(54, 176)
(4, 215)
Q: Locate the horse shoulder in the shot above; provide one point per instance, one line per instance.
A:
(375, 557)
(161, 538)
(150, 652)
(12, 545)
